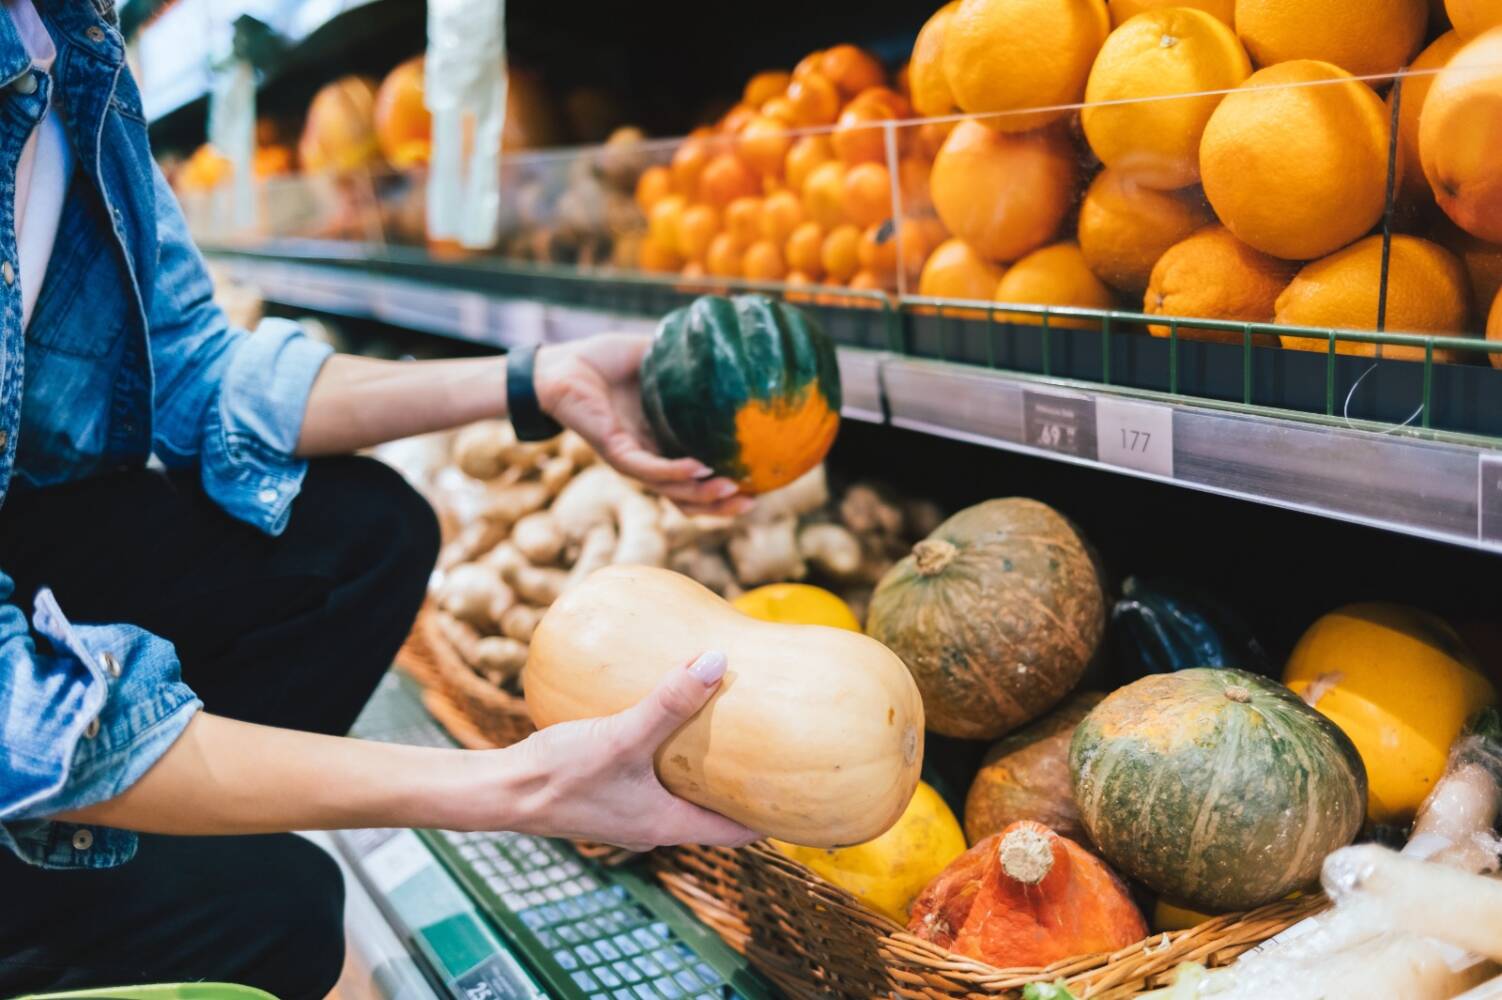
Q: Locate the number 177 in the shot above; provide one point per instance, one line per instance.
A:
(1132, 440)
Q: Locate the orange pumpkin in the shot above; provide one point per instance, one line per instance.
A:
(1027, 897)
(403, 127)
(339, 134)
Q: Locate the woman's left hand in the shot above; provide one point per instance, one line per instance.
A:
(593, 387)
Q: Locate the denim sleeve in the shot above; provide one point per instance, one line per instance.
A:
(83, 716)
(229, 400)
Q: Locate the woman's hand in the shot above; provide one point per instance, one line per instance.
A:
(593, 387)
(593, 779)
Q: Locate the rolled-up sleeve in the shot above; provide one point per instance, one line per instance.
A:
(233, 401)
(84, 713)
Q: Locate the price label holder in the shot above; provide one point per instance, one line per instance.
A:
(1489, 498)
(1135, 435)
(474, 317)
(1060, 423)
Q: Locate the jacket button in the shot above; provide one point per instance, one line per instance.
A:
(95, 33)
(111, 665)
(4, 440)
(25, 84)
(91, 730)
(8, 272)
(82, 840)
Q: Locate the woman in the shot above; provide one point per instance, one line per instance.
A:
(255, 584)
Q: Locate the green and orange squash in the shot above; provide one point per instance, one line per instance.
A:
(747, 385)
(997, 613)
(1217, 788)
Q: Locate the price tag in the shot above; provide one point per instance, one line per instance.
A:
(1135, 435)
(1065, 424)
(474, 316)
(1489, 499)
(396, 860)
(493, 979)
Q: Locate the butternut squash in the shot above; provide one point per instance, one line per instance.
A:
(815, 736)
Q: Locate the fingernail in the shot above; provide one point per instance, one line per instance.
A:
(702, 471)
(708, 668)
(726, 489)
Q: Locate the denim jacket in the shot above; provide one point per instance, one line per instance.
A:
(126, 356)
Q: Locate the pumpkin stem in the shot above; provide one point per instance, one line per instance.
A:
(932, 555)
(1238, 694)
(1026, 855)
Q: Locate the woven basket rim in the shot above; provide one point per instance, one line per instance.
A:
(454, 673)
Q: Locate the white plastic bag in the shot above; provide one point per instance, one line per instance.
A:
(232, 131)
(464, 87)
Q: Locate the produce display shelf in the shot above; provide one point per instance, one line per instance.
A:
(1159, 411)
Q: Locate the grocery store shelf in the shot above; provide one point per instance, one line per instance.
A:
(1431, 485)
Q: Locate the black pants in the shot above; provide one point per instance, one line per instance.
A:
(290, 631)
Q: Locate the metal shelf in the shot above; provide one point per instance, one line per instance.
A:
(1443, 487)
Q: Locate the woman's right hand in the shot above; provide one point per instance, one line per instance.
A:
(594, 780)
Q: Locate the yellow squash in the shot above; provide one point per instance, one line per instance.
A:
(796, 604)
(815, 736)
(1401, 684)
(888, 873)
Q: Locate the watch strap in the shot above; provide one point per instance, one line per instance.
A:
(527, 417)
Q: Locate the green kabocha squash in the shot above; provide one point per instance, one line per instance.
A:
(747, 385)
(1219, 789)
(997, 613)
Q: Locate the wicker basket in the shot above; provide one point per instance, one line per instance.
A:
(815, 941)
(475, 707)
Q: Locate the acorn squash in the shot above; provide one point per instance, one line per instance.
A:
(997, 613)
(1161, 626)
(1219, 789)
(886, 873)
(1401, 684)
(796, 604)
(814, 737)
(747, 385)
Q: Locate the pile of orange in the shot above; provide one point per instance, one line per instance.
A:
(794, 183)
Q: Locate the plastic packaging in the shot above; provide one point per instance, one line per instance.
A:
(1159, 626)
(464, 87)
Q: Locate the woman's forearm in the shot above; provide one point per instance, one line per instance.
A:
(359, 402)
(228, 777)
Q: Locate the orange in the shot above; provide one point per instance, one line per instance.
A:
(805, 249)
(1054, 276)
(877, 250)
(736, 118)
(1160, 53)
(781, 213)
(929, 87)
(912, 183)
(1224, 10)
(885, 99)
(205, 170)
(840, 253)
(763, 262)
(815, 100)
(743, 221)
(808, 64)
(403, 127)
(865, 280)
(693, 269)
(1415, 192)
(726, 178)
(764, 86)
(665, 222)
(824, 194)
(1472, 17)
(1297, 171)
(913, 243)
(1125, 227)
(1012, 55)
(658, 256)
(859, 137)
(687, 165)
(764, 145)
(868, 194)
(696, 227)
(1482, 260)
(1363, 37)
(902, 80)
(1213, 275)
(1004, 193)
(806, 153)
(955, 271)
(1460, 137)
(724, 257)
(851, 69)
(781, 109)
(1426, 293)
(652, 186)
(1494, 330)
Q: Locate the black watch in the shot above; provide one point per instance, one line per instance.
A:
(527, 418)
